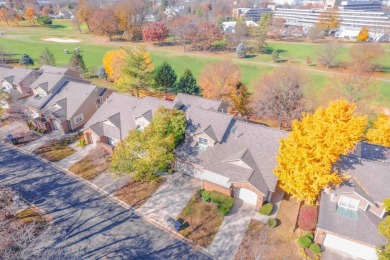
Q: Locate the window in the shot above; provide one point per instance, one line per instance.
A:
(348, 203)
(203, 141)
(78, 118)
(111, 141)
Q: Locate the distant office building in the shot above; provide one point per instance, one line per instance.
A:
(250, 14)
(351, 20)
(362, 5)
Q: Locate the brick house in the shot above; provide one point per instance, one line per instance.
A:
(350, 213)
(230, 155)
(73, 106)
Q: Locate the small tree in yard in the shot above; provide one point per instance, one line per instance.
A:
(26, 60)
(165, 76)
(380, 134)
(275, 56)
(47, 57)
(187, 84)
(315, 33)
(76, 62)
(307, 219)
(328, 54)
(241, 51)
(102, 73)
(383, 252)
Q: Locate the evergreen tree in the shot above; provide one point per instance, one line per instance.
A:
(26, 61)
(47, 57)
(102, 73)
(275, 56)
(76, 62)
(241, 50)
(165, 76)
(187, 84)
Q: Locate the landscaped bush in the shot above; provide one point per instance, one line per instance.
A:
(310, 235)
(224, 202)
(272, 222)
(307, 219)
(266, 209)
(315, 248)
(304, 241)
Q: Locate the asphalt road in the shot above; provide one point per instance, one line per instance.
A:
(85, 222)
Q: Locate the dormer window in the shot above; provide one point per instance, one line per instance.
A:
(348, 203)
(203, 141)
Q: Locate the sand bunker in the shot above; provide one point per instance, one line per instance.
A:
(53, 39)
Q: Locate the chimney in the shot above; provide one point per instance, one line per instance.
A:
(358, 149)
(236, 134)
(222, 110)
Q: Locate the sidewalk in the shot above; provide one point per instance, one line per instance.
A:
(77, 156)
(108, 183)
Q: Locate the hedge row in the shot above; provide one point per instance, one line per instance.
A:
(306, 241)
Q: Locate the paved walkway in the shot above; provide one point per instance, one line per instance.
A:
(30, 147)
(12, 128)
(232, 231)
(74, 158)
(86, 224)
(170, 198)
(276, 200)
(108, 183)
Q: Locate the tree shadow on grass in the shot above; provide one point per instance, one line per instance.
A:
(57, 26)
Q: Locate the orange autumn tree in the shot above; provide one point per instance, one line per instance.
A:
(380, 133)
(30, 15)
(363, 35)
(113, 62)
(306, 156)
(219, 79)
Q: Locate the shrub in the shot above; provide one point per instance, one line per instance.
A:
(307, 219)
(304, 241)
(310, 235)
(206, 196)
(272, 222)
(199, 193)
(224, 202)
(315, 248)
(82, 143)
(241, 50)
(266, 209)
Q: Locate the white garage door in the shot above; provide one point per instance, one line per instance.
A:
(247, 196)
(349, 247)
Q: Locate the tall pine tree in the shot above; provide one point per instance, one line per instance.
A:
(187, 84)
(47, 57)
(165, 76)
(76, 62)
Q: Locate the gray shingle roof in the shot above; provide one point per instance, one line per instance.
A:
(214, 124)
(68, 100)
(371, 175)
(190, 100)
(363, 229)
(247, 154)
(16, 75)
(122, 110)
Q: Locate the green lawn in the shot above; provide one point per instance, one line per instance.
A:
(27, 39)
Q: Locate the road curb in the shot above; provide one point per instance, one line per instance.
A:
(116, 200)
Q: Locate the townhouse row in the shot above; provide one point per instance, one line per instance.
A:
(226, 153)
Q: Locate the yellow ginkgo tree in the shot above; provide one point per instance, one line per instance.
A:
(380, 132)
(306, 156)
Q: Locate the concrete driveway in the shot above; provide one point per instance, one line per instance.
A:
(85, 222)
(30, 147)
(232, 231)
(12, 128)
(81, 153)
(108, 183)
(170, 198)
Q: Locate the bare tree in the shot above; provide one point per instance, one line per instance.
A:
(280, 96)
(315, 33)
(183, 29)
(328, 54)
(365, 56)
(104, 22)
(6, 197)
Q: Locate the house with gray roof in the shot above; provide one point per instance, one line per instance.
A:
(118, 115)
(73, 106)
(16, 82)
(350, 213)
(47, 85)
(185, 101)
(229, 155)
